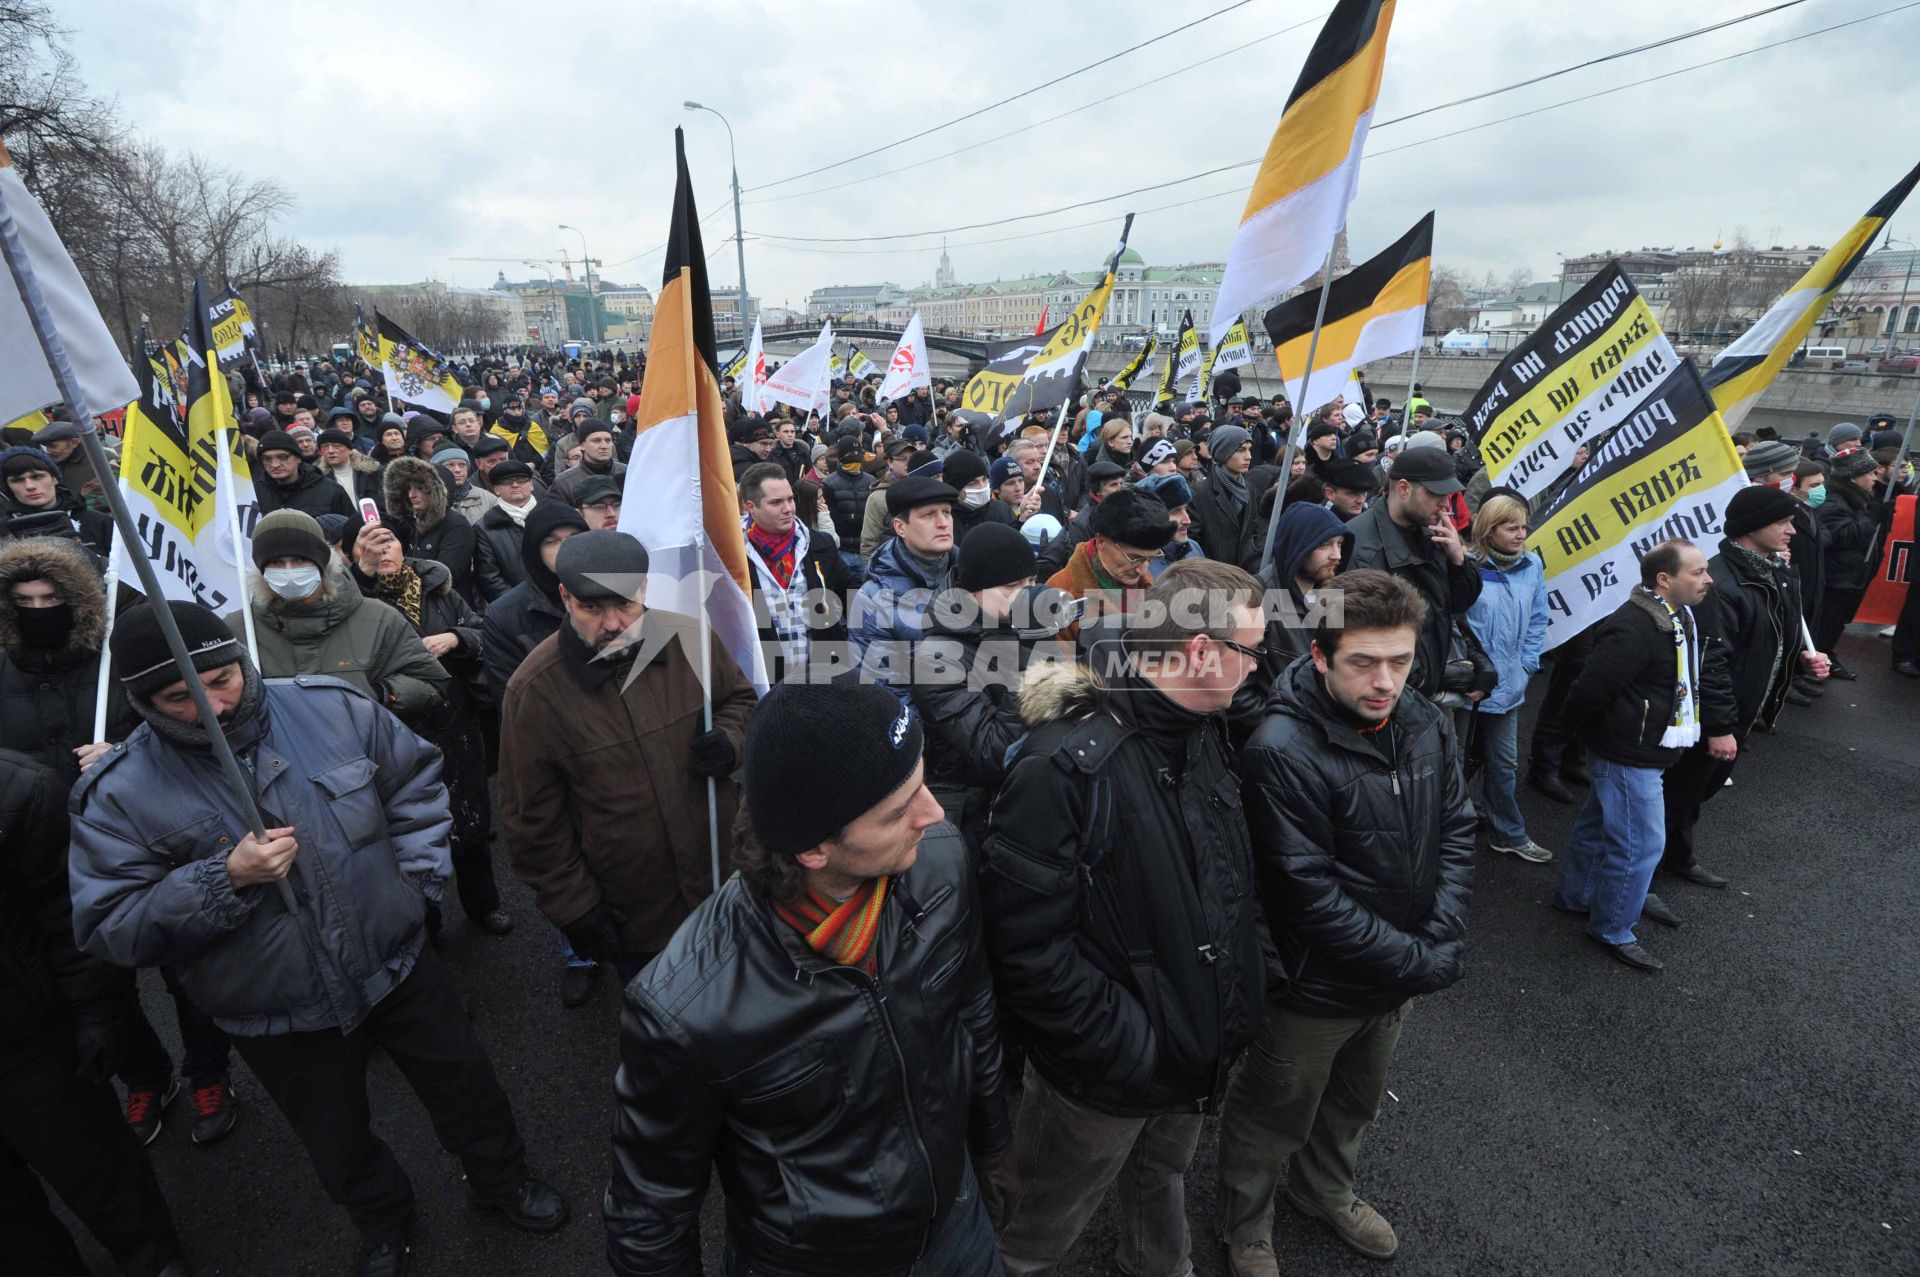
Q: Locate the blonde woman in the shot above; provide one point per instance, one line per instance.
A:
(1510, 620)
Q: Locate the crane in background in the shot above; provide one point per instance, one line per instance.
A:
(552, 326)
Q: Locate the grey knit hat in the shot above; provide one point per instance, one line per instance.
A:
(1771, 457)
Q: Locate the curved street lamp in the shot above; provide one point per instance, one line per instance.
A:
(739, 236)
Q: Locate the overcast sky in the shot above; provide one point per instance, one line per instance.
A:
(412, 134)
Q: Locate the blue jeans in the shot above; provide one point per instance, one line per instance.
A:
(961, 1245)
(1500, 738)
(1617, 840)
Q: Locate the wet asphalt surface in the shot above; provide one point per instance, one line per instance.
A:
(1753, 1110)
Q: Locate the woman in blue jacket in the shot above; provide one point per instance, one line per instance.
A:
(1510, 620)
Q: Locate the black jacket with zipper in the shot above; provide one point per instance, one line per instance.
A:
(838, 1107)
(1752, 615)
(1448, 588)
(1121, 912)
(1364, 843)
(1621, 702)
(1853, 521)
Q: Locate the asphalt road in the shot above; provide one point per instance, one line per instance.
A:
(1751, 1111)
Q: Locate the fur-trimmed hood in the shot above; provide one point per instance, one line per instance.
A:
(1053, 691)
(402, 473)
(65, 565)
(359, 463)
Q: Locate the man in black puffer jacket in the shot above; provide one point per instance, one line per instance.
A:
(967, 671)
(1123, 922)
(64, 1019)
(821, 1028)
(846, 491)
(1363, 835)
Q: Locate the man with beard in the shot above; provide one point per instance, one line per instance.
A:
(527, 439)
(604, 764)
(165, 871)
(290, 482)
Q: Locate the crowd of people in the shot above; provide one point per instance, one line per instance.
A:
(1118, 768)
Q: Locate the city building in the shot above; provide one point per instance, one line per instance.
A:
(842, 301)
(1525, 310)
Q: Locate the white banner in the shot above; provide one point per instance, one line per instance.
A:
(803, 380)
(908, 369)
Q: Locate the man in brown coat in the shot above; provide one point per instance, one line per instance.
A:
(603, 768)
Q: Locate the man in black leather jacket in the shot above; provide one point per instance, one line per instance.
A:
(1363, 837)
(821, 1029)
(1123, 920)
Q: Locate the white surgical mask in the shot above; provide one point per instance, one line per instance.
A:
(974, 498)
(1786, 485)
(293, 584)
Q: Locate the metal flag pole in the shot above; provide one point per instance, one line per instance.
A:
(1299, 430)
(1413, 377)
(68, 380)
(706, 693)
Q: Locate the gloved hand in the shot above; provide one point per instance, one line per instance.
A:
(1445, 970)
(101, 1035)
(999, 1177)
(595, 934)
(713, 754)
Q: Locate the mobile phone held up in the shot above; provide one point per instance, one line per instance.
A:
(369, 512)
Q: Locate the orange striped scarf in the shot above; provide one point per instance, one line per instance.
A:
(844, 931)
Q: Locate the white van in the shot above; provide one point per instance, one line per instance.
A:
(1820, 357)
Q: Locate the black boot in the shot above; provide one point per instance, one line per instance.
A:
(535, 1207)
(1549, 783)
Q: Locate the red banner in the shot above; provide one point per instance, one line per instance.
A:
(1889, 587)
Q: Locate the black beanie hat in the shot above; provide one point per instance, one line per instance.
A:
(1132, 517)
(994, 554)
(1756, 506)
(140, 655)
(340, 437)
(279, 441)
(818, 757)
(963, 466)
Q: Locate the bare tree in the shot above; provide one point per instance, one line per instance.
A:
(1448, 305)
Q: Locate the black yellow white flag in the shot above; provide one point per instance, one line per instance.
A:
(1163, 395)
(1377, 309)
(414, 374)
(1052, 376)
(1124, 378)
(170, 476)
(1187, 354)
(1667, 471)
(680, 500)
(1743, 371)
(1312, 166)
(1581, 374)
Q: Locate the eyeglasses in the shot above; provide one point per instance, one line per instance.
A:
(1137, 560)
(1251, 653)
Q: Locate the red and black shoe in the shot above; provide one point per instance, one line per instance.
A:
(215, 1110)
(146, 1106)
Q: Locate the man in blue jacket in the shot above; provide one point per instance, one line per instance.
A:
(908, 572)
(164, 871)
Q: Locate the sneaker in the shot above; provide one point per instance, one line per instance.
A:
(495, 922)
(214, 1112)
(1360, 1226)
(576, 984)
(146, 1107)
(385, 1259)
(1836, 670)
(1255, 1259)
(1529, 851)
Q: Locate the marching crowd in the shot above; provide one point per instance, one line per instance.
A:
(1120, 767)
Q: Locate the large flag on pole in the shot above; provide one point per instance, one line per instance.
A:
(752, 377)
(169, 474)
(414, 373)
(908, 369)
(680, 500)
(1312, 167)
(1186, 350)
(1377, 309)
(366, 346)
(1053, 374)
(858, 364)
(803, 379)
(1743, 371)
(1163, 396)
(1124, 378)
(26, 383)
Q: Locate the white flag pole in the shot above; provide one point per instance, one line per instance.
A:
(106, 655)
(224, 479)
(1299, 430)
(1413, 377)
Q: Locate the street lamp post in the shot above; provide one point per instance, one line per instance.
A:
(739, 236)
(593, 309)
(1893, 334)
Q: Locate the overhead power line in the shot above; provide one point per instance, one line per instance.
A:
(1027, 92)
(1247, 163)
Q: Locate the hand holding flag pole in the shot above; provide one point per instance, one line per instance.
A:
(40, 315)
